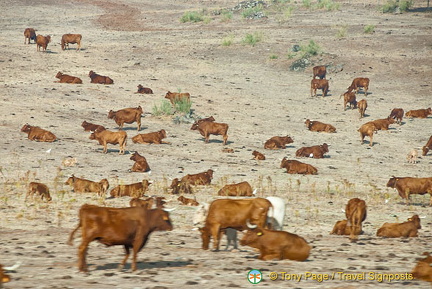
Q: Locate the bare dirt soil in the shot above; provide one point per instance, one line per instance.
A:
(252, 89)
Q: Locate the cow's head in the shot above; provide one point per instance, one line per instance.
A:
(162, 133)
(392, 182)
(160, 220)
(26, 128)
(205, 236)
(252, 237)
(70, 181)
(195, 126)
(416, 221)
(111, 114)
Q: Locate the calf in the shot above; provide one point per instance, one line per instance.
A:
(137, 202)
(100, 79)
(427, 147)
(412, 156)
(398, 230)
(277, 142)
(151, 138)
(296, 167)
(242, 189)
(349, 98)
(105, 137)
(319, 71)
(383, 124)
(367, 129)
(210, 118)
(319, 84)
(316, 152)
(397, 114)
(419, 113)
(355, 212)
(135, 190)
(42, 41)
(4, 278)
(362, 105)
(359, 82)
(180, 187)
(30, 34)
(140, 164)
(408, 186)
(318, 126)
(342, 228)
(203, 178)
(38, 134)
(86, 186)
(91, 126)
(127, 115)
(177, 96)
(71, 38)
(144, 90)
(206, 128)
(39, 189)
(187, 201)
(64, 78)
(423, 269)
(258, 156)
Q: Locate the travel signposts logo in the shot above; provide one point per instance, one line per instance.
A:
(254, 276)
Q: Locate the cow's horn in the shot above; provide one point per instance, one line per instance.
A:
(422, 217)
(250, 226)
(169, 210)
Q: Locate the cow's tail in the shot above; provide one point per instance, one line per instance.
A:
(71, 236)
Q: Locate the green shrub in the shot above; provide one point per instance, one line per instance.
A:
(307, 3)
(252, 39)
(183, 106)
(393, 5)
(274, 56)
(226, 15)
(310, 49)
(405, 5)
(191, 16)
(342, 32)
(227, 41)
(369, 29)
(251, 12)
(164, 109)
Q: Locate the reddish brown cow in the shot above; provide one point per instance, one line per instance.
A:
(319, 84)
(187, 201)
(4, 278)
(367, 129)
(316, 152)
(359, 82)
(423, 269)
(130, 227)
(177, 96)
(427, 147)
(409, 186)
(64, 78)
(30, 34)
(383, 124)
(210, 118)
(296, 167)
(91, 126)
(276, 245)
(319, 71)
(39, 189)
(349, 98)
(362, 105)
(42, 41)
(242, 189)
(341, 228)
(127, 115)
(397, 230)
(314, 125)
(140, 164)
(355, 213)
(100, 79)
(206, 128)
(277, 142)
(135, 190)
(38, 134)
(203, 178)
(151, 138)
(86, 186)
(71, 38)
(144, 90)
(397, 114)
(148, 203)
(105, 137)
(258, 156)
(180, 187)
(419, 113)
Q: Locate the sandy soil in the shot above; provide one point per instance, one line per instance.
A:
(249, 87)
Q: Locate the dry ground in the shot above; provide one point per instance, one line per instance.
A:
(250, 88)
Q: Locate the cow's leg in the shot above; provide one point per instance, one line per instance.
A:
(216, 234)
(127, 253)
(82, 252)
(105, 147)
(207, 137)
(139, 122)
(371, 140)
(225, 138)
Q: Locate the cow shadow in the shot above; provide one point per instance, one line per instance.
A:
(50, 52)
(112, 151)
(131, 128)
(215, 141)
(144, 265)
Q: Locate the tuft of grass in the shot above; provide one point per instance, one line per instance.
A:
(183, 106)
(307, 3)
(369, 29)
(252, 39)
(342, 31)
(394, 5)
(274, 56)
(252, 12)
(227, 41)
(192, 16)
(310, 49)
(226, 16)
(165, 108)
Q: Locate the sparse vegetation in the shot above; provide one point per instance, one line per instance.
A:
(192, 16)
(252, 39)
(226, 15)
(321, 4)
(274, 56)
(253, 12)
(165, 108)
(342, 31)
(369, 29)
(310, 49)
(396, 5)
(227, 41)
(182, 106)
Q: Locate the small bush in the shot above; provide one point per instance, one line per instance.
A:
(307, 3)
(310, 49)
(342, 32)
(226, 15)
(164, 109)
(369, 29)
(253, 12)
(227, 41)
(191, 16)
(393, 5)
(252, 39)
(183, 106)
(274, 56)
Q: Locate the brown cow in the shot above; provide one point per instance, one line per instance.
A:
(319, 71)
(42, 41)
(149, 203)
(140, 164)
(210, 118)
(397, 114)
(362, 105)
(177, 96)
(38, 134)
(359, 82)
(229, 213)
(427, 147)
(203, 178)
(127, 115)
(423, 269)
(341, 228)
(367, 129)
(276, 245)
(130, 227)
(277, 142)
(349, 98)
(206, 128)
(151, 138)
(144, 90)
(187, 201)
(296, 167)
(4, 278)
(105, 137)
(319, 84)
(91, 126)
(258, 156)
(39, 189)
(355, 213)
(100, 79)
(419, 113)
(30, 34)
(409, 186)
(314, 125)
(383, 124)
(242, 189)
(71, 38)
(316, 152)
(397, 230)
(64, 78)
(180, 187)
(86, 186)
(135, 190)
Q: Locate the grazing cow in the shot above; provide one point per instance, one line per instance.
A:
(39, 189)
(4, 278)
(367, 129)
(277, 142)
(409, 186)
(91, 126)
(86, 186)
(130, 227)
(71, 38)
(319, 84)
(423, 269)
(258, 156)
(229, 213)
(64, 78)
(30, 34)
(135, 190)
(362, 105)
(355, 213)
(397, 114)
(316, 152)
(383, 124)
(349, 98)
(359, 82)
(180, 187)
(412, 156)
(187, 201)
(419, 113)
(105, 137)
(127, 115)
(427, 147)
(296, 167)
(151, 138)
(319, 71)
(206, 128)
(100, 79)
(144, 90)
(38, 134)
(42, 41)
(397, 230)
(314, 125)
(140, 164)
(276, 245)
(177, 96)
(242, 189)
(203, 178)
